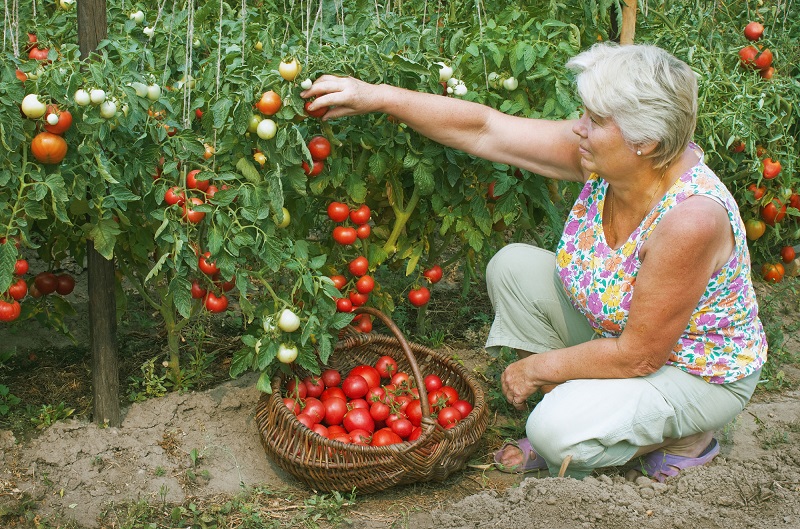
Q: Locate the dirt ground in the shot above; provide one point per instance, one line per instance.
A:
(203, 445)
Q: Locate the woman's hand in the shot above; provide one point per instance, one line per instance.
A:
(518, 381)
(344, 96)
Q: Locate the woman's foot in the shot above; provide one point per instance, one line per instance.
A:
(518, 457)
(669, 458)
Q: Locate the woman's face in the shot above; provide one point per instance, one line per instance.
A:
(602, 147)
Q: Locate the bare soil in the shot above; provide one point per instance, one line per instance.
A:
(202, 446)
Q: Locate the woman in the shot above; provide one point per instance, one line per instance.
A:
(642, 329)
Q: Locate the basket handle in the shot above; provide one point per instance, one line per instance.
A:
(423, 393)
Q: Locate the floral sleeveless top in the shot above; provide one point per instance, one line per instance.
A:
(724, 340)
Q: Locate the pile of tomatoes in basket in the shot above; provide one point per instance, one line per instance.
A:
(374, 405)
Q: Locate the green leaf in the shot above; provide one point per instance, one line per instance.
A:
(220, 111)
(241, 361)
(181, 290)
(264, 384)
(8, 259)
(104, 235)
(248, 170)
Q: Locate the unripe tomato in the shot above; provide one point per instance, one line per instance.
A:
(286, 219)
(288, 321)
(287, 353)
(755, 229)
(266, 129)
(289, 69)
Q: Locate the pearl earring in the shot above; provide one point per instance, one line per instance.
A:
(638, 152)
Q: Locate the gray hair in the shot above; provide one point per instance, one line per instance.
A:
(650, 95)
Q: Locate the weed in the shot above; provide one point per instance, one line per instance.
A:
(327, 507)
(147, 386)
(49, 414)
(159, 471)
(7, 400)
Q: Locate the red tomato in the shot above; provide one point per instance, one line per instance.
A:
(771, 273)
(437, 398)
(338, 211)
(18, 290)
(339, 281)
(376, 394)
(64, 120)
(335, 409)
(333, 392)
(208, 268)
(448, 416)
(306, 420)
(753, 30)
(344, 235)
(794, 201)
(363, 322)
(365, 284)
(758, 192)
(48, 148)
(763, 60)
(319, 147)
(787, 254)
(357, 403)
(379, 411)
(296, 389)
(65, 284)
(314, 385)
(313, 170)
(174, 195)
(360, 437)
(216, 303)
(198, 292)
(384, 437)
(292, 404)
(771, 168)
(414, 412)
(386, 366)
(191, 215)
(318, 113)
(358, 419)
(433, 382)
(357, 298)
(9, 310)
(38, 54)
(354, 387)
(321, 430)
(361, 215)
(368, 373)
(773, 212)
(21, 267)
(452, 394)
(193, 183)
(463, 406)
(331, 378)
(344, 305)
(737, 146)
(402, 427)
(434, 273)
(314, 408)
(46, 282)
(359, 266)
(419, 297)
(269, 103)
(363, 231)
(335, 429)
(415, 433)
(401, 379)
(747, 55)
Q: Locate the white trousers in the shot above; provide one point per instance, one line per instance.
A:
(599, 422)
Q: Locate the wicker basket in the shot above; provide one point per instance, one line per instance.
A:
(327, 465)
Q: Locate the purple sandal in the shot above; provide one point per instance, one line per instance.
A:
(660, 465)
(528, 464)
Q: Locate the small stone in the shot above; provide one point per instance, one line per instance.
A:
(551, 500)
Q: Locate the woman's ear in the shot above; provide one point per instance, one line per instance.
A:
(645, 149)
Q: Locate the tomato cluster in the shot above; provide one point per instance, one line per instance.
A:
(320, 149)
(752, 56)
(214, 301)
(43, 284)
(373, 405)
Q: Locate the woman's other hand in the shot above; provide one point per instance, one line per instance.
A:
(518, 382)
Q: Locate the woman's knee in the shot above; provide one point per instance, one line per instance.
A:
(515, 259)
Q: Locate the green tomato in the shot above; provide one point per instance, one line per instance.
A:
(287, 353)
